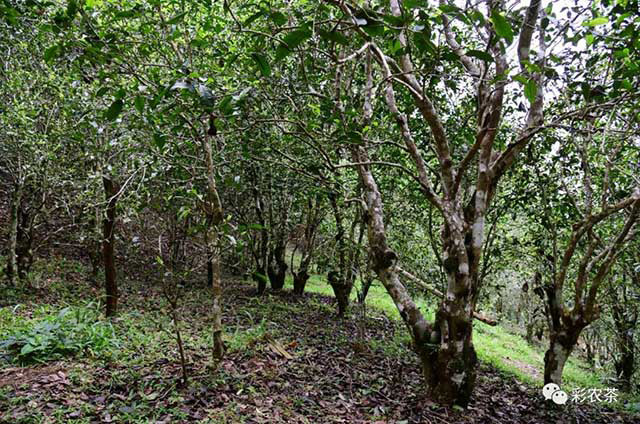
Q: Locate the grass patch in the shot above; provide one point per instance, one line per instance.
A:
(243, 338)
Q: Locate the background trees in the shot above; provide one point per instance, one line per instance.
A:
(466, 151)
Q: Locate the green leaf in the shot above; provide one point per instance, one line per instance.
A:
(290, 41)
(374, 29)
(139, 102)
(253, 17)
(51, 53)
(159, 140)
(102, 91)
(278, 18)
(601, 20)
(531, 90)
(502, 26)
(521, 79)
(334, 36)
(590, 39)
(176, 19)
(620, 54)
(412, 4)
(72, 8)
(26, 349)
(449, 9)
(480, 55)
(10, 14)
(394, 21)
(263, 64)
(125, 14)
(114, 110)
(226, 106)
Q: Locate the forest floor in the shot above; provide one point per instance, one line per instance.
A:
(288, 360)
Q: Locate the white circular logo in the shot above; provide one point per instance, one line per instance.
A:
(552, 391)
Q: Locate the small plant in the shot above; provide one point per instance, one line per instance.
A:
(71, 331)
(241, 339)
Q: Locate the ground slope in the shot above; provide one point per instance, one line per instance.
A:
(289, 360)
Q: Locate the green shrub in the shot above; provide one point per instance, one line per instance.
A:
(71, 331)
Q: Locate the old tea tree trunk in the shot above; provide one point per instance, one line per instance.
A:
(213, 211)
(567, 322)
(445, 347)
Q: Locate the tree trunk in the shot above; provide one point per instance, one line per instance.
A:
(300, 281)
(213, 210)
(301, 277)
(341, 280)
(590, 341)
(209, 273)
(561, 344)
(109, 221)
(260, 277)
(625, 323)
(445, 348)
(367, 281)
(24, 245)
(261, 252)
(450, 369)
(625, 365)
(529, 335)
(342, 290)
(277, 269)
(12, 265)
(213, 258)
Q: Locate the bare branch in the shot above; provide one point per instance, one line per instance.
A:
(457, 49)
(526, 33)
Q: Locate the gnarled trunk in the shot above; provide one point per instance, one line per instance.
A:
(277, 270)
(342, 289)
(300, 279)
(342, 278)
(452, 375)
(445, 348)
(562, 341)
(24, 246)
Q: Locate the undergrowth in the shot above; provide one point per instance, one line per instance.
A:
(51, 335)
